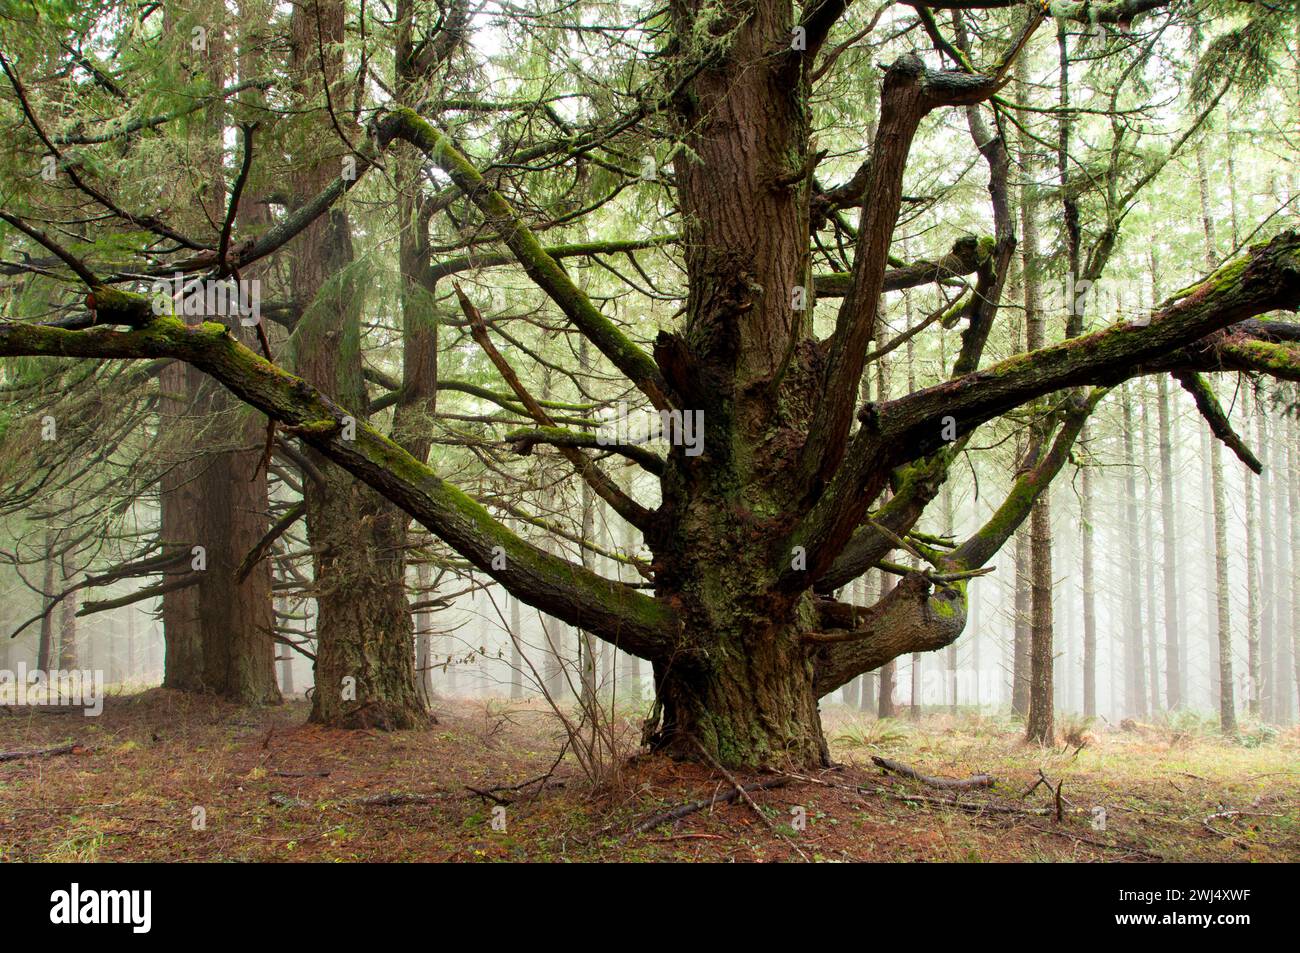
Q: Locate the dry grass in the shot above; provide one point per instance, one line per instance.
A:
(275, 789)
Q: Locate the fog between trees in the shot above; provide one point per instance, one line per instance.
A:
(984, 311)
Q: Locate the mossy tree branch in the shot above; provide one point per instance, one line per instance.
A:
(543, 269)
(1027, 487)
(1266, 278)
(611, 610)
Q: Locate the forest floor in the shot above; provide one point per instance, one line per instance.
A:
(166, 776)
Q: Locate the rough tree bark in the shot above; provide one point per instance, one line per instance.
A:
(777, 512)
(365, 662)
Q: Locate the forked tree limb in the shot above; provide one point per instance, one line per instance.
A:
(545, 272)
(142, 567)
(600, 483)
(263, 546)
(140, 595)
(1266, 278)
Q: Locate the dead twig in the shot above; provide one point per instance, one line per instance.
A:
(398, 798)
(972, 806)
(70, 748)
(1205, 822)
(948, 784)
(748, 800)
(301, 774)
(685, 810)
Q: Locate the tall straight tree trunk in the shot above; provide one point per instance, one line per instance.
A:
(1291, 678)
(587, 642)
(1278, 677)
(68, 648)
(1252, 581)
(1210, 445)
(1267, 577)
(1134, 643)
(1041, 700)
(1020, 641)
(1174, 694)
(365, 659)
(45, 643)
(1040, 727)
(219, 631)
(1227, 706)
(1149, 547)
(1293, 451)
(1209, 558)
(1089, 585)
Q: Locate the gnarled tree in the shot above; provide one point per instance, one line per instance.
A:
(786, 501)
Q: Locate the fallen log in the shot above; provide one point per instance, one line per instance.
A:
(947, 784)
(40, 752)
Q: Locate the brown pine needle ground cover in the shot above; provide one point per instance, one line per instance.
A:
(167, 776)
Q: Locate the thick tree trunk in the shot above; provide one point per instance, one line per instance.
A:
(751, 703)
(180, 506)
(365, 662)
(236, 618)
(365, 658)
(218, 632)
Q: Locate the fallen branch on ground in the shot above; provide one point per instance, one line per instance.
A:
(1226, 814)
(949, 784)
(301, 774)
(684, 810)
(72, 748)
(749, 800)
(397, 799)
(974, 807)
